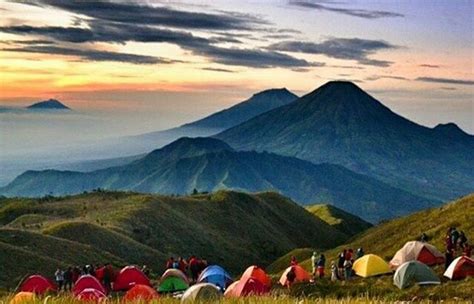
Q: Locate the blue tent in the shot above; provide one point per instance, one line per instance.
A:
(216, 275)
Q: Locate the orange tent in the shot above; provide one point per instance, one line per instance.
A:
(246, 287)
(23, 297)
(91, 295)
(301, 275)
(258, 274)
(141, 293)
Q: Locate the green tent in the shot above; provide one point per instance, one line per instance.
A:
(414, 272)
(172, 284)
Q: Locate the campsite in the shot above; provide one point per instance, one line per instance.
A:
(404, 269)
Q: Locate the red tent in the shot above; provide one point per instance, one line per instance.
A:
(37, 284)
(258, 274)
(460, 268)
(141, 293)
(91, 295)
(247, 287)
(130, 276)
(87, 282)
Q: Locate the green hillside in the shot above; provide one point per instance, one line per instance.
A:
(229, 228)
(339, 219)
(385, 239)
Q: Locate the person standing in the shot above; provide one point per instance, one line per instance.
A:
(321, 265)
(291, 277)
(68, 279)
(59, 277)
(347, 269)
(293, 261)
(314, 263)
(340, 264)
(334, 275)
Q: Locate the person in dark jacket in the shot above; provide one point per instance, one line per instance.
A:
(68, 279)
(291, 276)
(321, 265)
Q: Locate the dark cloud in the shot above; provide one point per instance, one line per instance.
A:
(340, 48)
(101, 31)
(446, 80)
(90, 55)
(433, 66)
(218, 70)
(361, 13)
(134, 13)
(377, 77)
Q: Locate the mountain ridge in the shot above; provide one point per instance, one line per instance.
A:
(50, 104)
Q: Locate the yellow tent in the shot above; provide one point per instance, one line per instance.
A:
(370, 265)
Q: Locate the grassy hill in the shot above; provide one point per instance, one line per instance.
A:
(343, 221)
(384, 240)
(229, 228)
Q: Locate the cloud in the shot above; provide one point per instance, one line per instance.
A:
(101, 31)
(134, 13)
(377, 77)
(340, 48)
(446, 80)
(218, 70)
(433, 66)
(361, 13)
(90, 55)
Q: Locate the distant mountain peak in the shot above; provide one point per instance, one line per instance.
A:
(450, 128)
(190, 147)
(50, 104)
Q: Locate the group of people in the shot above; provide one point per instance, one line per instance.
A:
(66, 278)
(342, 268)
(191, 267)
(456, 242)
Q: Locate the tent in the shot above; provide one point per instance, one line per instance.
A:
(215, 275)
(128, 277)
(246, 287)
(173, 280)
(414, 272)
(258, 274)
(37, 284)
(460, 268)
(141, 293)
(370, 265)
(87, 281)
(301, 275)
(415, 250)
(202, 292)
(91, 295)
(23, 297)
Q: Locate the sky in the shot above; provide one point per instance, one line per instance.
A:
(129, 67)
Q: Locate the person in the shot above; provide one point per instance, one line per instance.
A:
(183, 265)
(347, 269)
(424, 238)
(92, 270)
(359, 253)
(334, 276)
(59, 277)
(291, 276)
(68, 279)
(175, 264)
(314, 262)
(146, 270)
(293, 261)
(449, 244)
(170, 263)
(340, 264)
(467, 250)
(76, 273)
(321, 265)
(454, 237)
(350, 255)
(108, 277)
(194, 268)
(448, 258)
(462, 239)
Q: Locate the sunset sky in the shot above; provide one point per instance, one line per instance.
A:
(169, 62)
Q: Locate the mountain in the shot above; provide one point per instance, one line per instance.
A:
(257, 104)
(343, 221)
(340, 123)
(208, 164)
(228, 228)
(50, 104)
